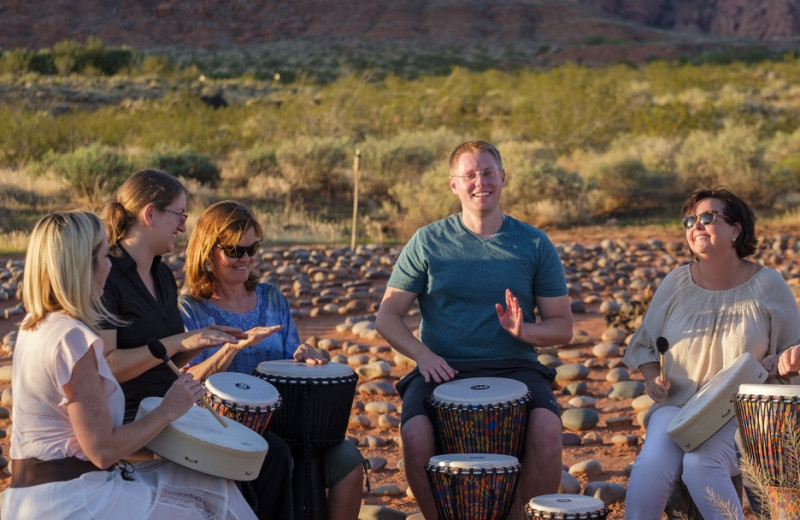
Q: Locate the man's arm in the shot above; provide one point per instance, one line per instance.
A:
(390, 323)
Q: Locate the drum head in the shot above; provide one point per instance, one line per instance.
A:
(292, 368)
(770, 390)
(473, 461)
(569, 504)
(480, 391)
(242, 389)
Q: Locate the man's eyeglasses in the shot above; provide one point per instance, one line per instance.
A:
(239, 251)
(706, 218)
(487, 175)
(182, 216)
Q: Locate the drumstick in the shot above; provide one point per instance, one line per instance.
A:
(662, 345)
(160, 351)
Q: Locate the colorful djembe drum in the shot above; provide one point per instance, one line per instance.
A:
(769, 423)
(480, 415)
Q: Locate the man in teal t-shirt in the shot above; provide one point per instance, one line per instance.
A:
(478, 276)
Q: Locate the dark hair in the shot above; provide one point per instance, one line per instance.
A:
(736, 210)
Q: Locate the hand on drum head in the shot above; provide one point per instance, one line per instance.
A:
(183, 393)
(309, 354)
(657, 388)
(789, 361)
(435, 367)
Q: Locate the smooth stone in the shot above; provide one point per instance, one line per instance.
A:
(550, 361)
(377, 463)
(643, 402)
(625, 440)
(359, 420)
(586, 467)
(616, 375)
(374, 441)
(401, 360)
(5, 373)
(624, 421)
(387, 491)
(373, 512)
(584, 401)
(570, 439)
(569, 484)
(592, 438)
(7, 397)
(576, 388)
(571, 372)
(580, 419)
(380, 407)
(388, 421)
(608, 492)
(374, 370)
(626, 390)
(614, 334)
(606, 349)
(377, 388)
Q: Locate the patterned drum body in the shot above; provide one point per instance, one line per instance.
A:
(566, 507)
(480, 415)
(473, 486)
(769, 423)
(246, 399)
(710, 408)
(198, 441)
(316, 400)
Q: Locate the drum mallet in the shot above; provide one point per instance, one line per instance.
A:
(160, 351)
(662, 345)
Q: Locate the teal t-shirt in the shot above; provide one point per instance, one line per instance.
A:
(459, 277)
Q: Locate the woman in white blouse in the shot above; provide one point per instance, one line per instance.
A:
(710, 311)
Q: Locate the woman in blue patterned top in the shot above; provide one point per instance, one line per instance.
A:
(223, 289)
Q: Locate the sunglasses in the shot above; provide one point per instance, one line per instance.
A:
(239, 251)
(706, 218)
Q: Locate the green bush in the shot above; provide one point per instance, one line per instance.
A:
(316, 165)
(419, 202)
(623, 184)
(94, 172)
(186, 162)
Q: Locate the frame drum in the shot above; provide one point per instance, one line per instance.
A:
(480, 415)
(198, 441)
(710, 408)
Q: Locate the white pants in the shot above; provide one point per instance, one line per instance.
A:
(706, 471)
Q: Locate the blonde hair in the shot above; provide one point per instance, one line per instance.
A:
(474, 146)
(142, 188)
(59, 268)
(223, 223)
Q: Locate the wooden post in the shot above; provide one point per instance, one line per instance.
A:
(356, 174)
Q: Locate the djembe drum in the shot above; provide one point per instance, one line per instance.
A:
(315, 414)
(248, 400)
(566, 507)
(480, 415)
(769, 423)
(473, 486)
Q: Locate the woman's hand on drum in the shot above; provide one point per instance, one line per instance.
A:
(511, 318)
(789, 361)
(435, 367)
(308, 354)
(183, 393)
(657, 388)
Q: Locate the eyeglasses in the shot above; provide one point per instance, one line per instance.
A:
(706, 218)
(182, 216)
(487, 175)
(239, 251)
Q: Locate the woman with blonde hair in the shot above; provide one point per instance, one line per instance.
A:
(68, 406)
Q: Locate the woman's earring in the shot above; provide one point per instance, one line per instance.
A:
(207, 267)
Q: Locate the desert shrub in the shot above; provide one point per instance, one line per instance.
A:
(315, 164)
(245, 166)
(733, 157)
(16, 61)
(546, 195)
(420, 201)
(619, 184)
(186, 162)
(93, 171)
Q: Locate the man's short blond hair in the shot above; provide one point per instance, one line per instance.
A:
(475, 146)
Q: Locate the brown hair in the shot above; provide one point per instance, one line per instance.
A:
(736, 210)
(142, 188)
(223, 223)
(474, 146)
